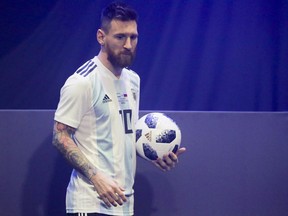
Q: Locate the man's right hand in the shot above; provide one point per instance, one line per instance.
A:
(108, 189)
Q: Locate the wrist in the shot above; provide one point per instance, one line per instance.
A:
(92, 173)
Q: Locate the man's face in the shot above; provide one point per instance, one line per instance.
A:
(120, 43)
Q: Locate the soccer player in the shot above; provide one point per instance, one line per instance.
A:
(95, 118)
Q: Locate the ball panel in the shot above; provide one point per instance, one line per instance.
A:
(156, 135)
(149, 152)
(138, 134)
(166, 136)
(151, 120)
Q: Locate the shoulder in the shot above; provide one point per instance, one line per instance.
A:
(81, 81)
(83, 77)
(87, 68)
(131, 72)
(133, 76)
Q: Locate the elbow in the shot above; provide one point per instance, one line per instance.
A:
(55, 140)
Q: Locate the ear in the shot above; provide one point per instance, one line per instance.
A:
(100, 37)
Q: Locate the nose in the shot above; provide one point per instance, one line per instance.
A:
(128, 43)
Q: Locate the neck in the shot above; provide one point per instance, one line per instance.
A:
(104, 60)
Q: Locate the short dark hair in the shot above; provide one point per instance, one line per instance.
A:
(117, 11)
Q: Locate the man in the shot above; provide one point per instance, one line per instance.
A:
(94, 122)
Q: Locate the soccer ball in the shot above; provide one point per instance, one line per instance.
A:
(156, 135)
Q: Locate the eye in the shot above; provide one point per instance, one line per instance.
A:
(134, 37)
(120, 37)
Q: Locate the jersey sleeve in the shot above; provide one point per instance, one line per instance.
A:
(75, 100)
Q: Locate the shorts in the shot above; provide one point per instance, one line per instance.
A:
(86, 214)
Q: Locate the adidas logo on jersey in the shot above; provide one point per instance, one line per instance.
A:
(106, 99)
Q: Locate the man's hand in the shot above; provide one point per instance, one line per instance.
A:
(169, 161)
(108, 190)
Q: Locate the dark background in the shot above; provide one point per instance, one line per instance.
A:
(192, 55)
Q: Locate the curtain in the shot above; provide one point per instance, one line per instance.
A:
(192, 55)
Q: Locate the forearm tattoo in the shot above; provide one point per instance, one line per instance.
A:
(62, 140)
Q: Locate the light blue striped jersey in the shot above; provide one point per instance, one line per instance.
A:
(104, 110)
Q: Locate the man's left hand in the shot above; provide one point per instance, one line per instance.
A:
(169, 161)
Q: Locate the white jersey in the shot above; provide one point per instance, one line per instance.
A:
(104, 110)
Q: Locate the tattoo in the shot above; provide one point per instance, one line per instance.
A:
(62, 140)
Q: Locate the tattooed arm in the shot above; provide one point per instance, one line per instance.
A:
(107, 188)
(62, 140)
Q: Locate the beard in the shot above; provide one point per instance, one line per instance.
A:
(122, 59)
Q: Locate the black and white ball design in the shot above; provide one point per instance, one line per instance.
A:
(156, 135)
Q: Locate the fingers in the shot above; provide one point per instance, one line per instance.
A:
(108, 190)
(118, 198)
(161, 165)
(169, 161)
(121, 195)
(114, 198)
(180, 151)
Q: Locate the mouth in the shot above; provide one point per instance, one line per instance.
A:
(127, 53)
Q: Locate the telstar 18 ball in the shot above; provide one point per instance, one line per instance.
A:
(156, 135)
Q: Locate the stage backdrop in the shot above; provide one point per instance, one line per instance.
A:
(236, 164)
(193, 54)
